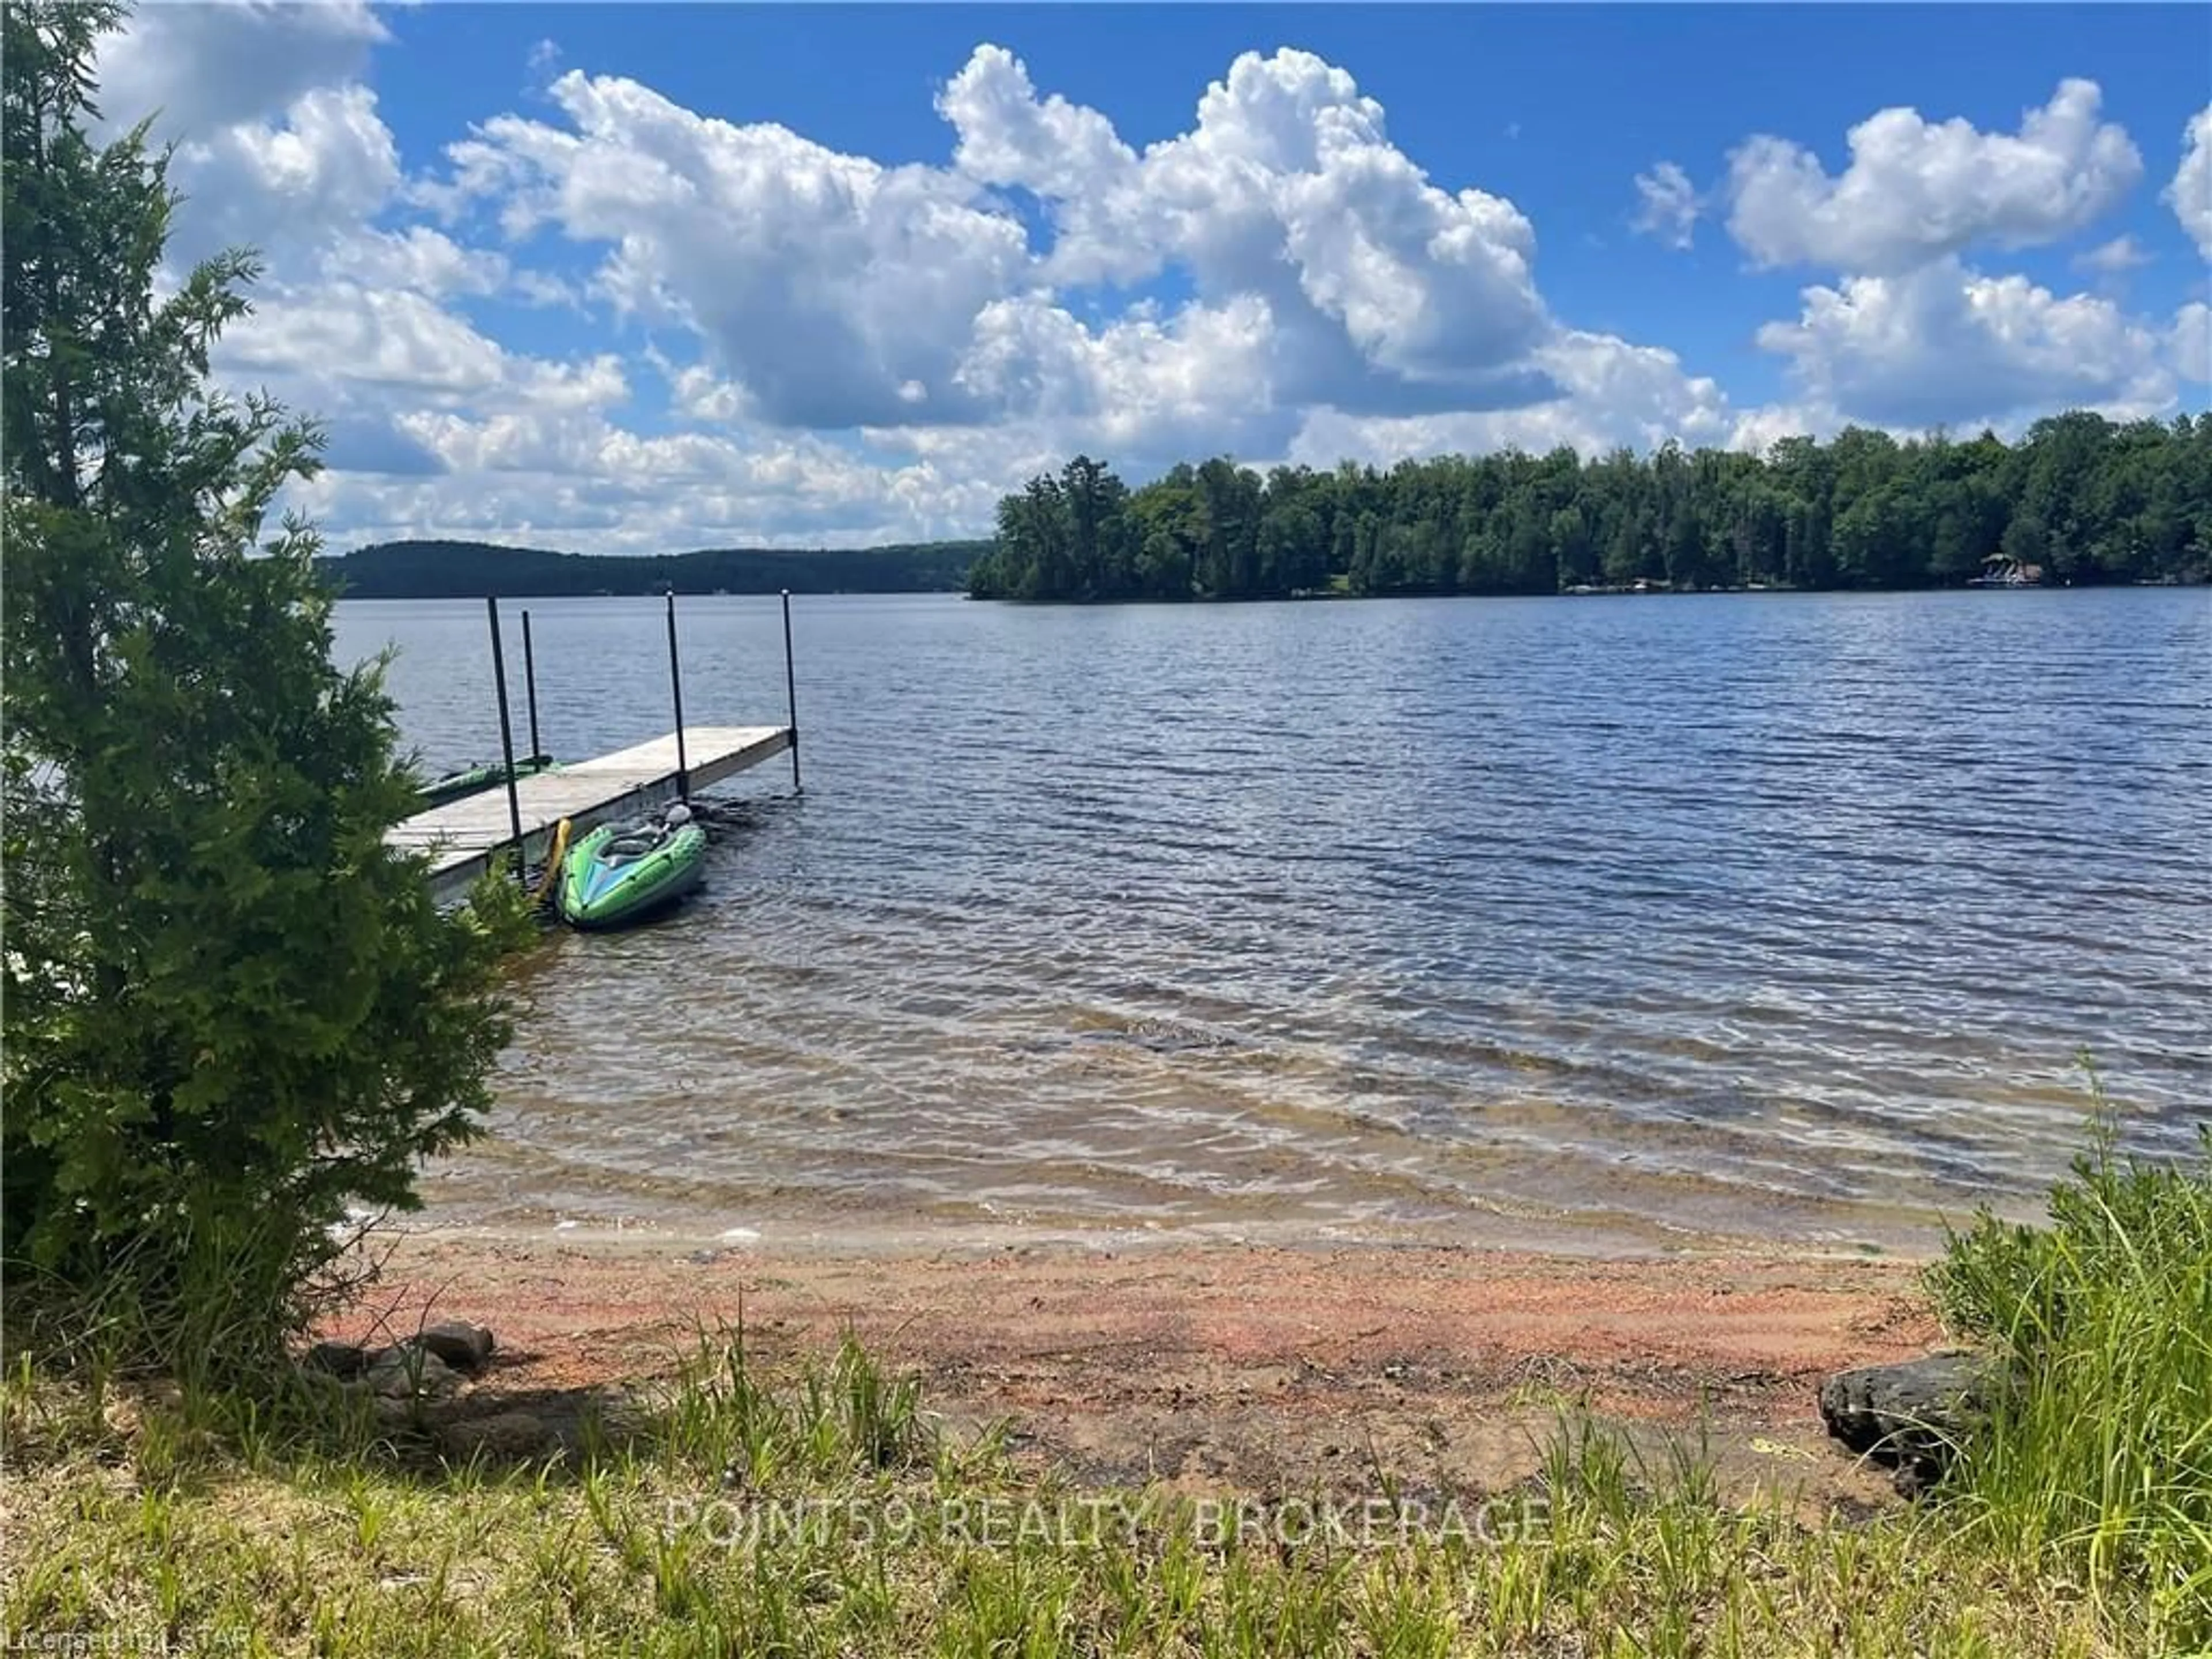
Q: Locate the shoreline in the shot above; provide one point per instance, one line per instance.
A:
(1305, 597)
(924, 1237)
(1256, 1367)
(1903, 1238)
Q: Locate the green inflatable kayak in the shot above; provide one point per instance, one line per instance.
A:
(621, 874)
(475, 780)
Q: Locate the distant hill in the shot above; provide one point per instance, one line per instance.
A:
(448, 570)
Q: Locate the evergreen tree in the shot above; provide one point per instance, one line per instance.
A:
(231, 1011)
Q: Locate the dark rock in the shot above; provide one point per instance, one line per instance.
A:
(407, 1372)
(1913, 1416)
(569, 1424)
(464, 1346)
(503, 1436)
(343, 1360)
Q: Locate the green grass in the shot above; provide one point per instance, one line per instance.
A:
(813, 1507)
(2100, 1468)
(819, 1513)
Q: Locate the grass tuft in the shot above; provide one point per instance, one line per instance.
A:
(2098, 1466)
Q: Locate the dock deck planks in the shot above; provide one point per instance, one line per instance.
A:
(463, 836)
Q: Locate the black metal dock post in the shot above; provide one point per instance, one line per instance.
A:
(675, 685)
(529, 686)
(506, 736)
(791, 694)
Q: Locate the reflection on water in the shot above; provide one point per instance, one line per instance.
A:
(1618, 920)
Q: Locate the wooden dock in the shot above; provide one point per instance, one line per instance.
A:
(463, 836)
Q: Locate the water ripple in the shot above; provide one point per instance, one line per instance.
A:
(1780, 917)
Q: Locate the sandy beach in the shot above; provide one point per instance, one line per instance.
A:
(1259, 1369)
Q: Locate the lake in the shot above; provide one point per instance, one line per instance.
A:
(1619, 923)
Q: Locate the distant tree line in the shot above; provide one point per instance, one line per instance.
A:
(2081, 497)
(439, 569)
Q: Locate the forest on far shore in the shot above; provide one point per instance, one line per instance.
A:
(2079, 498)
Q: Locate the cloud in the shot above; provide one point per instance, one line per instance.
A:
(1916, 193)
(2192, 343)
(418, 259)
(579, 480)
(2113, 259)
(208, 66)
(547, 289)
(1333, 280)
(1943, 344)
(436, 429)
(2190, 195)
(1008, 136)
(1386, 289)
(326, 166)
(1612, 394)
(1668, 205)
(1757, 431)
(366, 442)
(390, 339)
(1909, 335)
(841, 293)
(278, 144)
(826, 283)
(697, 393)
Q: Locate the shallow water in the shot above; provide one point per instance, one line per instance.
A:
(1618, 922)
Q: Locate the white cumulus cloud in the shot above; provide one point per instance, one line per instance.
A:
(1387, 290)
(839, 292)
(203, 67)
(390, 338)
(418, 258)
(1613, 394)
(323, 167)
(1008, 136)
(1918, 191)
(1944, 345)
(2190, 194)
(824, 282)
(2192, 344)
(1909, 334)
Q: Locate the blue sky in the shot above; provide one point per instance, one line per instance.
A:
(625, 277)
